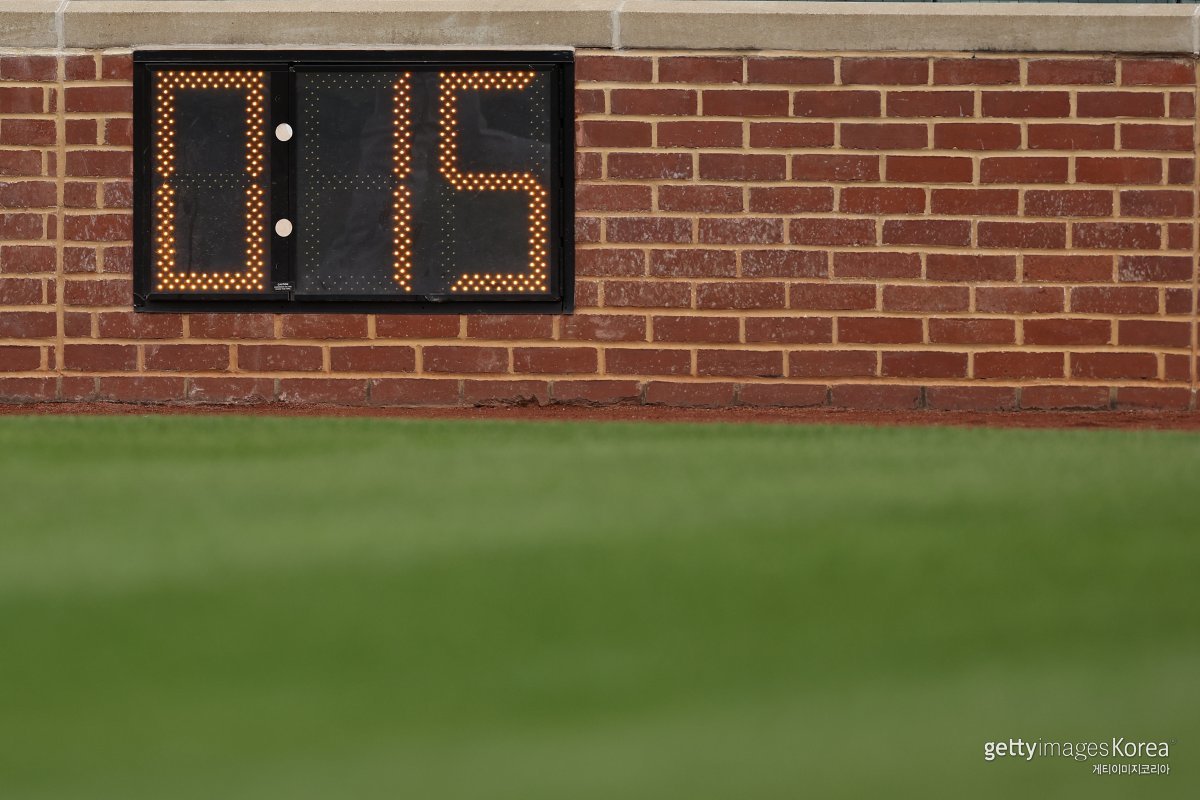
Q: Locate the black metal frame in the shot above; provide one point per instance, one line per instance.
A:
(282, 66)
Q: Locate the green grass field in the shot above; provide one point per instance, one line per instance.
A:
(194, 608)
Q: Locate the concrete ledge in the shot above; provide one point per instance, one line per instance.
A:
(661, 24)
(1066, 27)
(28, 23)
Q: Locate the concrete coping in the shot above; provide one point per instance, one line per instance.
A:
(617, 24)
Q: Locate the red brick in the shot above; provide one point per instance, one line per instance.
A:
(506, 392)
(464, 359)
(22, 99)
(1023, 235)
(791, 71)
(1181, 170)
(790, 199)
(1181, 105)
(230, 390)
(649, 166)
(975, 202)
(736, 230)
(1071, 136)
(1019, 299)
(510, 326)
(831, 364)
(609, 197)
(131, 325)
(140, 389)
(881, 200)
(337, 391)
(98, 227)
(1072, 71)
(28, 68)
(739, 363)
(29, 194)
(711, 199)
(116, 67)
(278, 357)
(1179, 235)
(1163, 203)
(556, 360)
(888, 71)
(976, 71)
(740, 294)
(79, 195)
(972, 331)
(621, 69)
(926, 298)
(833, 296)
(27, 132)
(20, 291)
(20, 162)
(79, 259)
(935, 232)
(597, 392)
(99, 99)
(881, 330)
(373, 359)
(1154, 333)
(324, 326)
(413, 392)
(1157, 137)
(653, 102)
(28, 390)
(930, 104)
(876, 397)
(1121, 104)
(822, 167)
(99, 163)
(1068, 268)
(692, 263)
(1117, 235)
(1056, 398)
(1068, 331)
(1177, 301)
(836, 104)
(604, 327)
(118, 260)
(1018, 365)
(100, 357)
(79, 68)
(1127, 366)
(187, 357)
(699, 69)
(78, 324)
(647, 361)
(742, 167)
(81, 131)
(15, 358)
(77, 387)
(699, 133)
(97, 293)
(782, 395)
(231, 326)
(977, 136)
(647, 294)
(832, 231)
(613, 133)
(787, 263)
(1026, 104)
(745, 103)
(883, 136)
(788, 134)
(790, 330)
(27, 324)
(1157, 72)
(929, 169)
(695, 395)
(23, 258)
(1146, 397)
(1114, 300)
(697, 329)
(1118, 170)
(1068, 203)
(971, 398)
(589, 166)
(972, 268)
(608, 262)
(876, 265)
(1024, 169)
(923, 364)
(649, 229)
(589, 101)
(1155, 269)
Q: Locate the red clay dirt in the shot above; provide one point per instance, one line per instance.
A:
(1154, 420)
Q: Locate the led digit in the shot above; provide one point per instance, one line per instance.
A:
(251, 277)
(402, 195)
(535, 279)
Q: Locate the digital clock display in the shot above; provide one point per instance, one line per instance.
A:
(318, 181)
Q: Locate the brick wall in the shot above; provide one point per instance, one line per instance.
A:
(773, 229)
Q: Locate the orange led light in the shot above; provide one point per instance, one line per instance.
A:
(536, 278)
(168, 278)
(402, 196)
